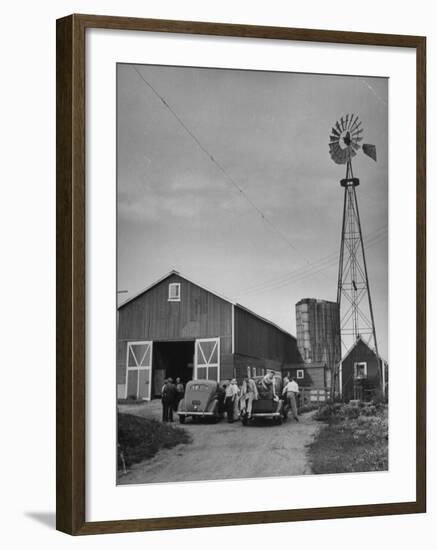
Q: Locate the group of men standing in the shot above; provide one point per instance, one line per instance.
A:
(235, 400)
(240, 400)
(171, 394)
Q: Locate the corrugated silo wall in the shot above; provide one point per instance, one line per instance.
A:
(303, 330)
(260, 345)
(318, 331)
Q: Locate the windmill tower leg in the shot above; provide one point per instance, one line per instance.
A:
(372, 318)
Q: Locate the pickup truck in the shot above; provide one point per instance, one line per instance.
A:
(268, 405)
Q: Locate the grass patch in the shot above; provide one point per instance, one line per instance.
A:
(352, 443)
(141, 438)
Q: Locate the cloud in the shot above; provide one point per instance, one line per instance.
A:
(150, 209)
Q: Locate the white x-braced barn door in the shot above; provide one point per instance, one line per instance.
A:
(139, 370)
(207, 359)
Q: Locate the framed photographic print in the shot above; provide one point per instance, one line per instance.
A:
(240, 274)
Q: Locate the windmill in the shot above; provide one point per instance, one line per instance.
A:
(353, 289)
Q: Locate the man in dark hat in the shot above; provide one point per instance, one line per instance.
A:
(179, 392)
(168, 400)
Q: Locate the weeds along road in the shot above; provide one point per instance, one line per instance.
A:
(226, 451)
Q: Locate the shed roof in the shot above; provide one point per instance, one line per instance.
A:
(354, 345)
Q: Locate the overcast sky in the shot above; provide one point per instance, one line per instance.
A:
(269, 132)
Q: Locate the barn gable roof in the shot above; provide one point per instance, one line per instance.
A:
(177, 273)
(170, 274)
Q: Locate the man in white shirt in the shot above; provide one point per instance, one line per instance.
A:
(290, 391)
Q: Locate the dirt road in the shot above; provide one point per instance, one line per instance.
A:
(224, 451)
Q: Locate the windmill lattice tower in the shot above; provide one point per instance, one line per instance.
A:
(353, 289)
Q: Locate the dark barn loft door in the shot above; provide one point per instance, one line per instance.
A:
(172, 359)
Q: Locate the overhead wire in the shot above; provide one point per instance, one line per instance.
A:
(220, 167)
(316, 267)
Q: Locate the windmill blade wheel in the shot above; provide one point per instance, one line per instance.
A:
(345, 138)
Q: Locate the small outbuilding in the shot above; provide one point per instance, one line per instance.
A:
(178, 328)
(311, 375)
(361, 373)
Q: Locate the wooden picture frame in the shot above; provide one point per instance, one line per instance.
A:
(71, 248)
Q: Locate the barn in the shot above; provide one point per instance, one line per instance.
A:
(358, 374)
(176, 327)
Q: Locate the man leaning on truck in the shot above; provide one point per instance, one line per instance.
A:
(231, 399)
(249, 393)
(291, 389)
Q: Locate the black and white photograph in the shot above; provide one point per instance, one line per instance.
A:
(219, 246)
(252, 274)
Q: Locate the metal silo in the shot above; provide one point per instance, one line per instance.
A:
(318, 332)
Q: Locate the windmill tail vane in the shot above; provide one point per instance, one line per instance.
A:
(369, 150)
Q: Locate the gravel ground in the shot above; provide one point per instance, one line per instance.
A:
(225, 451)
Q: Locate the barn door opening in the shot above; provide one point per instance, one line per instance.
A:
(172, 359)
(207, 359)
(139, 370)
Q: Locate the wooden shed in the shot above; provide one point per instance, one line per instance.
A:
(361, 372)
(177, 328)
(311, 375)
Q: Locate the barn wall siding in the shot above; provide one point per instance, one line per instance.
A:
(241, 362)
(121, 362)
(226, 366)
(257, 338)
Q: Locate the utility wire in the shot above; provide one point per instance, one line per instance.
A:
(296, 278)
(316, 267)
(229, 178)
(300, 276)
(309, 273)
